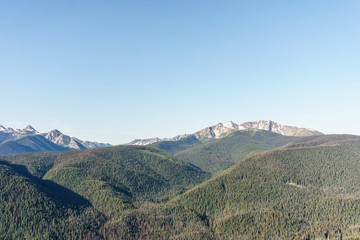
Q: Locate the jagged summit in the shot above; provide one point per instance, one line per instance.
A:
(54, 136)
(57, 137)
(55, 133)
(275, 127)
(29, 128)
(221, 130)
(146, 141)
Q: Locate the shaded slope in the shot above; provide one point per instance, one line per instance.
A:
(223, 153)
(34, 143)
(115, 178)
(35, 209)
(289, 193)
(5, 136)
(174, 147)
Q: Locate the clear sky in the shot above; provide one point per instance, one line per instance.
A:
(113, 71)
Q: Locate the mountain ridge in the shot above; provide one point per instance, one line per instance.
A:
(34, 143)
(221, 130)
(54, 136)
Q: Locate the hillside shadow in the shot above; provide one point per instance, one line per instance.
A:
(57, 192)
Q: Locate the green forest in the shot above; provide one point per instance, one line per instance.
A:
(249, 185)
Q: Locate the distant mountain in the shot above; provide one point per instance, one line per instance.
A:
(10, 133)
(58, 138)
(90, 145)
(221, 130)
(54, 136)
(36, 143)
(174, 147)
(278, 128)
(147, 141)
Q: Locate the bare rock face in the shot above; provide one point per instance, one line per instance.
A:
(278, 128)
(54, 136)
(58, 138)
(143, 142)
(10, 133)
(221, 130)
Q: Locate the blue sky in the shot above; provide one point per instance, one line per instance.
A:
(114, 71)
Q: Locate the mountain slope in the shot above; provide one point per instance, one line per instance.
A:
(174, 147)
(124, 183)
(58, 138)
(122, 175)
(303, 192)
(35, 209)
(54, 136)
(90, 145)
(34, 143)
(222, 130)
(221, 154)
(278, 128)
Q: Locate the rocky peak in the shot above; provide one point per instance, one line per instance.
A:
(217, 131)
(278, 128)
(221, 130)
(55, 133)
(230, 124)
(29, 128)
(142, 142)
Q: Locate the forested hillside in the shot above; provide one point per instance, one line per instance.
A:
(307, 189)
(114, 178)
(36, 209)
(221, 154)
(303, 192)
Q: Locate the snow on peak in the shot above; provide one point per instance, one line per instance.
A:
(29, 128)
(230, 124)
(2, 128)
(55, 132)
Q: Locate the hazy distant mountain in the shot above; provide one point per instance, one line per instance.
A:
(221, 130)
(58, 138)
(10, 133)
(90, 145)
(36, 143)
(54, 136)
(147, 141)
(280, 129)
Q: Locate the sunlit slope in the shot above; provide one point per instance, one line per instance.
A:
(174, 147)
(221, 154)
(296, 192)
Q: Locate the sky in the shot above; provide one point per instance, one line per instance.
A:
(114, 71)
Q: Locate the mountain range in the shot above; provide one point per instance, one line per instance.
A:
(279, 187)
(221, 130)
(14, 141)
(216, 184)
